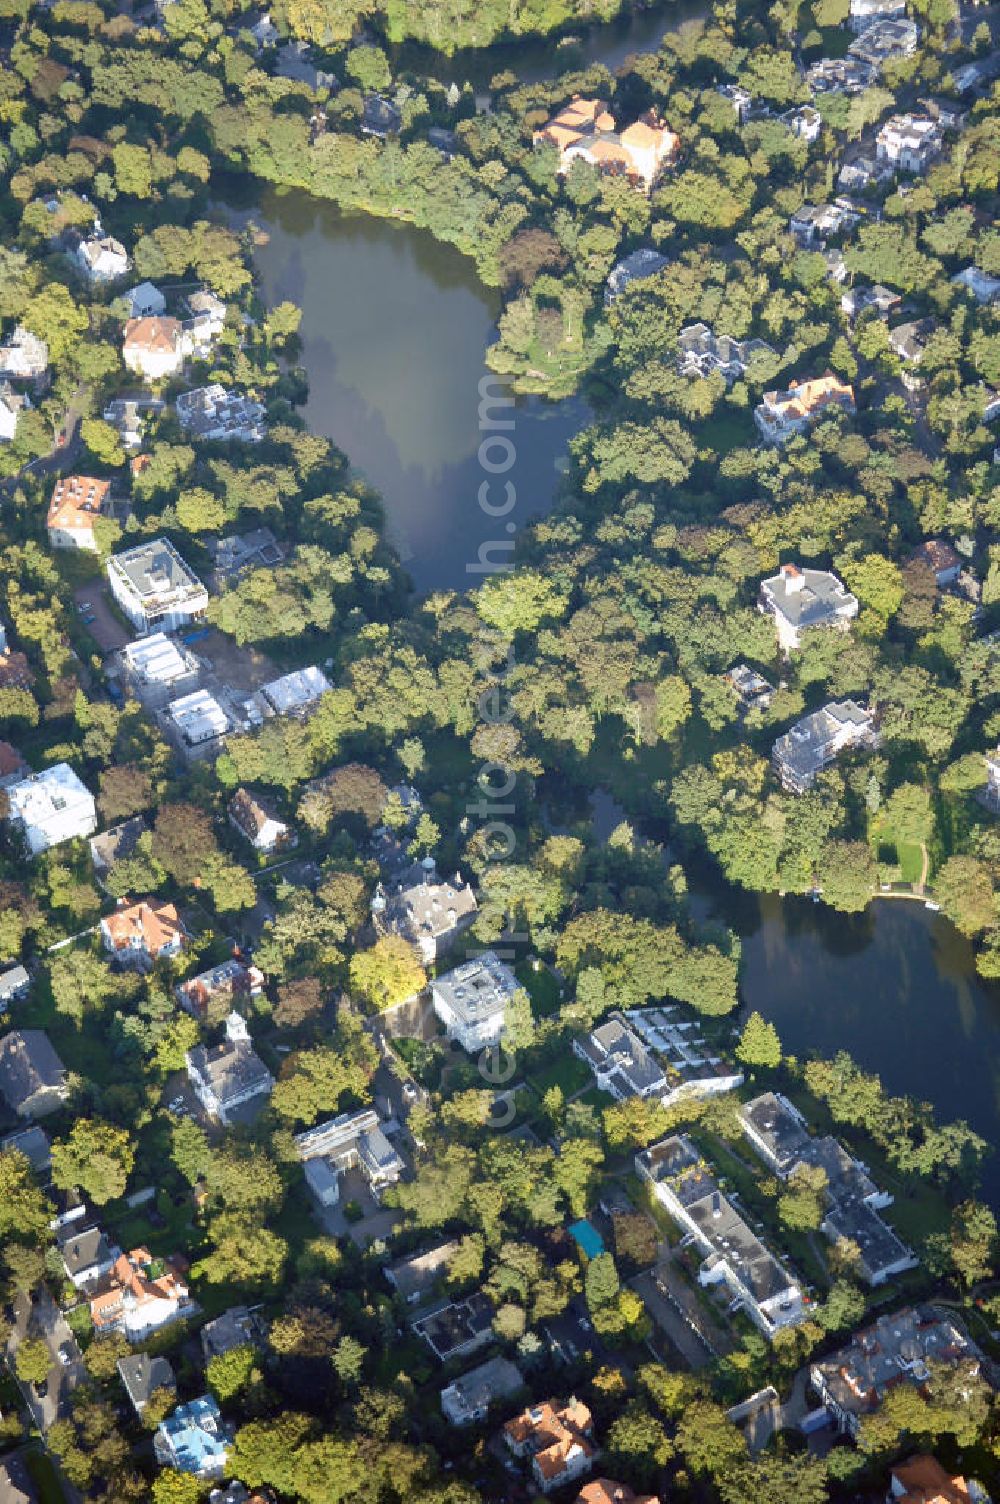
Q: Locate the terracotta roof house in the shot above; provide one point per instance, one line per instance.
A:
(585, 128)
(138, 934)
(15, 671)
(32, 1077)
(76, 502)
(782, 415)
(153, 347)
(939, 556)
(922, 1480)
(13, 768)
(253, 818)
(557, 1438)
(143, 1295)
(607, 1491)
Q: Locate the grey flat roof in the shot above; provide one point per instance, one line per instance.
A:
(155, 570)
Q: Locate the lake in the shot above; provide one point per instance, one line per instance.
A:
(394, 336)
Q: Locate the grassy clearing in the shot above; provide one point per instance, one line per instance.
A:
(568, 1073)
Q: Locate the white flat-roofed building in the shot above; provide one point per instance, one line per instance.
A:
(733, 1255)
(23, 356)
(216, 413)
(468, 1398)
(864, 12)
(294, 694)
(471, 1001)
(818, 740)
(885, 41)
(909, 142)
(197, 724)
(156, 669)
(655, 1052)
(800, 599)
(155, 588)
(51, 807)
(353, 1139)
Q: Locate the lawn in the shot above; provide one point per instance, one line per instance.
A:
(44, 1477)
(568, 1073)
(541, 986)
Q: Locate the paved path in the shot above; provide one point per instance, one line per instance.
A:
(44, 1319)
(681, 1334)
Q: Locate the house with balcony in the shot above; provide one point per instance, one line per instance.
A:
(153, 347)
(75, 505)
(155, 589)
(472, 1000)
(733, 1256)
(909, 143)
(801, 600)
(353, 1140)
(213, 994)
(51, 807)
(139, 934)
(157, 669)
(701, 353)
(813, 224)
(897, 1348)
(654, 1052)
(143, 1294)
(780, 416)
(885, 41)
(194, 1439)
(466, 1400)
(196, 725)
(220, 414)
(556, 1438)
(817, 740)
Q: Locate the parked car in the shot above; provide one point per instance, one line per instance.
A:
(66, 1354)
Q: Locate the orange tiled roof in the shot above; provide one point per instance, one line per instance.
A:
(607, 1491)
(129, 1277)
(157, 924)
(552, 1434)
(154, 332)
(927, 1482)
(76, 501)
(11, 760)
(15, 672)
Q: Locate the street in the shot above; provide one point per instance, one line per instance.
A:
(45, 1320)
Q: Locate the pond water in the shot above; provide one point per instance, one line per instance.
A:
(394, 336)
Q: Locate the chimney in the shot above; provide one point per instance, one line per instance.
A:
(716, 1204)
(793, 577)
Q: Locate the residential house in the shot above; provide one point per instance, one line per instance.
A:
(229, 1079)
(205, 322)
(380, 117)
(558, 1438)
(152, 347)
(296, 693)
(983, 287)
(125, 414)
(802, 599)
(643, 263)
(466, 1401)
(215, 413)
(238, 1327)
(779, 1135)
(949, 116)
(51, 807)
(459, 1327)
(143, 1295)
(239, 553)
(702, 353)
(254, 819)
(864, 12)
(862, 171)
(101, 258)
(197, 725)
(864, 299)
(419, 1275)
(139, 934)
(116, 844)
(655, 1052)
(76, 503)
(145, 301)
(753, 691)
(782, 415)
(733, 1255)
(23, 356)
(87, 1254)
(155, 588)
(143, 1376)
(805, 122)
(157, 669)
(32, 1077)
(15, 670)
(425, 911)
(922, 1480)
(909, 143)
(14, 984)
(351, 1140)
(194, 1439)
(840, 75)
(471, 1001)
(585, 129)
(12, 405)
(34, 1144)
(608, 1491)
(741, 100)
(218, 991)
(909, 341)
(817, 740)
(885, 41)
(896, 1348)
(941, 558)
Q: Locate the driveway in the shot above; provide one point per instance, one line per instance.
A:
(45, 1320)
(106, 629)
(670, 1320)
